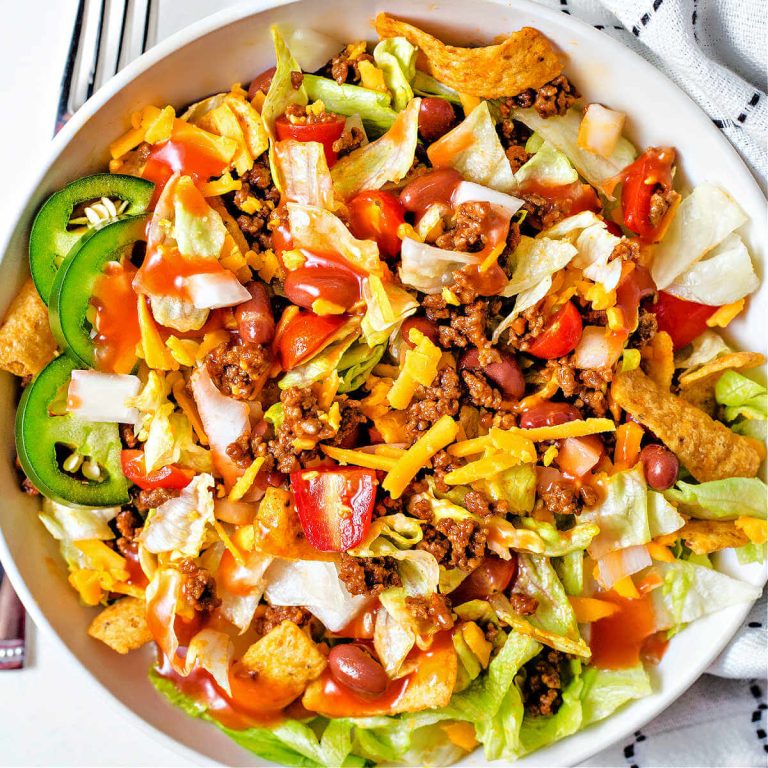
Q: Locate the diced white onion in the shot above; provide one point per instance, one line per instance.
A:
(96, 396)
(600, 129)
(597, 348)
(215, 290)
(316, 586)
(211, 650)
(623, 562)
(577, 455)
(469, 192)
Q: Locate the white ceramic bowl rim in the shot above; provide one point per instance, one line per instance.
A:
(201, 29)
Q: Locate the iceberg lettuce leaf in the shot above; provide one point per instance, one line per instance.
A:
(396, 58)
(281, 91)
(722, 499)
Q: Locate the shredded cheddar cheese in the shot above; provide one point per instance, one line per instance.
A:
(246, 480)
(419, 367)
(440, 434)
(488, 466)
(723, 316)
(590, 609)
(155, 353)
(755, 530)
(221, 185)
(359, 458)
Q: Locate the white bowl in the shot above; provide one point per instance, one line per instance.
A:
(233, 46)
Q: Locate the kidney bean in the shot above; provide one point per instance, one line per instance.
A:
(261, 82)
(505, 374)
(433, 187)
(353, 666)
(436, 118)
(660, 465)
(491, 576)
(255, 319)
(305, 285)
(549, 414)
(427, 327)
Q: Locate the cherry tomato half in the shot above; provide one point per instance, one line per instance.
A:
(261, 82)
(491, 576)
(304, 334)
(166, 477)
(334, 505)
(377, 215)
(651, 172)
(325, 132)
(682, 320)
(561, 334)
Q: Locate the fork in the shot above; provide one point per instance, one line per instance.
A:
(107, 35)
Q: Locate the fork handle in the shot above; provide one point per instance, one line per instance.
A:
(12, 619)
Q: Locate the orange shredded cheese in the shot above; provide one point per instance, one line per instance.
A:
(246, 480)
(419, 367)
(723, 316)
(359, 458)
(756, 530)
(441, 433)
(590, 609)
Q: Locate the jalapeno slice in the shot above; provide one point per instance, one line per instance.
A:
(44, 442)
(75, 281)
(52, 238)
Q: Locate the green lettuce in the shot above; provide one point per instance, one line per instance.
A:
(516, 486)
(741, 396)
(751, 553)
(356, 365)
(722, 499)
(396, 58)
(548, 166)
(281, 91)
(387, 305)
(426, 85)
(373, 107)
(570, 571)
(320, 366)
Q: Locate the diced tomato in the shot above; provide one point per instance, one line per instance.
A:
(376, 215)
(682, 320)
(325, 132)
(303, 335)
(491, 576)
(334, 505)
(561, 334)
(167, 477)
(613, 228)
(651, 172)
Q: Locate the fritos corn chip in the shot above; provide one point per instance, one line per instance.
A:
(705, 536)
(525, 59)
(26, 341)
(707, 448)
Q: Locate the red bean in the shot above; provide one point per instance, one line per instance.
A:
(433, 187)
(436, 118)
(303, 286)
(255, 319)
(261, 82)
(353, 666)
(505, 374)
(660, 465)
(548, 414)
(427, 327)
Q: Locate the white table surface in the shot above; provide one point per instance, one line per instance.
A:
(52, 714)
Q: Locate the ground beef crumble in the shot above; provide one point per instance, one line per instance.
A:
(561, 499)
(368, 575)
(523, 605)
(345, 67)
(434, 610)
(543, 684)
(239, 369)
(517, 157)
(430, 403)
(553, 98)
(542, 213)
(349, 141)
(128, 523)
(479, 504)
(661, 200)
(647, 328)
(199, 587)
(270, 616)
(257, 184)
(468, 230)
(588, 388)
(480, 392)
(152, 498)
(455, 543)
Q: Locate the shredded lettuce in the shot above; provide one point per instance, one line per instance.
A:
(321, 365)
(516, 486)
(281, 91)
(302, 173)
(691, 591)
(387, 305)
(704, 348)
(428, 268)
(69, 524)
(396, 58)
(722, 499)
(473, 148)
(570, 571)
(562, 132)
(426, 85)
(373, 107)
(704, 220)
(356, 365)
(548, 167)
(389, 158)
(741, 396)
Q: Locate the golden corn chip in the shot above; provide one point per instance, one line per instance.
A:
(284, 661)
(710, 372)
(705, 536)
(525, 59)
(707, 448)
(122, 626)
(278, 531)
(659, 357)
(26, 341)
